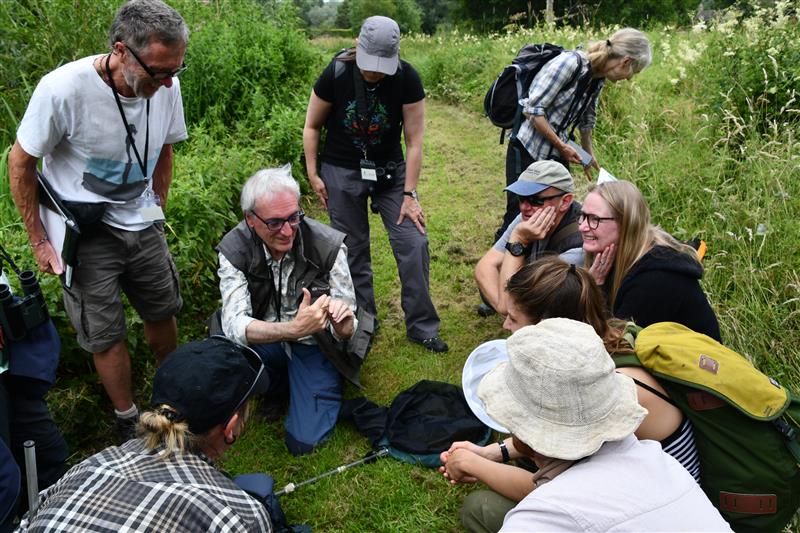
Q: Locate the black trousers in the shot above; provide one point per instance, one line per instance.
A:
(24, 416)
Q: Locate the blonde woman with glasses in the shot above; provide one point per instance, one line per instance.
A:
(648, 276)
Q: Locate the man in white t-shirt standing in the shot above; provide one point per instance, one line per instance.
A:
(104, 126)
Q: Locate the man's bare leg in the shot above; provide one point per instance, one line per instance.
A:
(114, 368)
(161, 336)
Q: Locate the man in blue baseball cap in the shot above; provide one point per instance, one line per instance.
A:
(547, 224)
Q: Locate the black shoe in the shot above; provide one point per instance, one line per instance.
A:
(272, 408)
(126, 429)
(434, 344)
(485, 310)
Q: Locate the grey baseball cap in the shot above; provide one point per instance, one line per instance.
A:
(378, 48)
(541, 175)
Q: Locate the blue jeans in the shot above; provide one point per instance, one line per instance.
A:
(315, 392)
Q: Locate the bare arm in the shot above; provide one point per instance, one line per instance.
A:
(413, 131)
(543, 126)
(487, 274)
(25, 191)
(162, 174)
(316, 115)
(536, 228)
(662, 418)
(510, 481)
(586, 143)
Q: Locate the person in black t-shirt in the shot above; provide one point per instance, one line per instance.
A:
(365, 99)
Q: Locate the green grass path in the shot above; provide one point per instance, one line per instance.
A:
(461, 192)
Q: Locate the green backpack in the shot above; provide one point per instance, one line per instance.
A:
(746, 425)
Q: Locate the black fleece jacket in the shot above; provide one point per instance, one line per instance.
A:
(664, 286)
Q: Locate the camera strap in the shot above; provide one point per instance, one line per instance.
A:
(142, 165)
(4, 255)
(364, 111)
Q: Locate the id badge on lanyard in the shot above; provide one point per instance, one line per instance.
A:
(368, 170)
(149, 206)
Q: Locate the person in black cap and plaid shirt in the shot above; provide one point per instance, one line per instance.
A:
(168, 479)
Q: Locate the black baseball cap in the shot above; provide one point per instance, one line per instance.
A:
(207, 381)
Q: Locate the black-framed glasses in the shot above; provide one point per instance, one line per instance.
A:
(158, 75)
(256, 365)
(538, 201)
(592, 220)
(275, 224)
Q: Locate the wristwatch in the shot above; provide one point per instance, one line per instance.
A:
(517, 249)
(412, 193)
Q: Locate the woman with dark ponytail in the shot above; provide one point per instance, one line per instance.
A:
(168, 478)
(551, 288)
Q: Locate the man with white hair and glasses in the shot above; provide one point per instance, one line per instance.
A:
(287, 292)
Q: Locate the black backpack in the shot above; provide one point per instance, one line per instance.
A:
(501, 103)
(421, 422)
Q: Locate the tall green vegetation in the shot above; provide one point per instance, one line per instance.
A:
(709, 133)
(250, 72)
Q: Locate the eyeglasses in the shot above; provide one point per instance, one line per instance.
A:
(158, 76)
(255, 362)
(538, 201)
(276, 224)
(592, 220)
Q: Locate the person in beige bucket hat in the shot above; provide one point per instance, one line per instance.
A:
(574, 416)
(559, 392)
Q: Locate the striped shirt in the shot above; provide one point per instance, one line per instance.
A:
(551, 95)
(131, 488)
(681, 446)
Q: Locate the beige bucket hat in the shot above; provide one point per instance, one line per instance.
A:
(559, 393)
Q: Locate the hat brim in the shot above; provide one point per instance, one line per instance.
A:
(372, 63)
(558, 440)
(479, 363)
(526, 188)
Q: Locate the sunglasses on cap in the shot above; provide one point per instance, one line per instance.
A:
(255, 362)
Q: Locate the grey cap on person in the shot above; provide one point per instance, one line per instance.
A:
(378, 48)
(541, 175)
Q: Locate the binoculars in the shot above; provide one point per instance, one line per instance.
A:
(20, 315)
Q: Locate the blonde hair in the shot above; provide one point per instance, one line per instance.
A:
(163, 427)
(637, 235)
(551, 288)
(627, 42)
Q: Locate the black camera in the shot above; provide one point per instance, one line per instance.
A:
(20, 315)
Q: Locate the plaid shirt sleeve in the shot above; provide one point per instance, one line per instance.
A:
(342, 285)
(548, 83)
(236, 307)
(587, 121)
(129, 488)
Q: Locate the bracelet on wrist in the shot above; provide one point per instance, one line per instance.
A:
(39, 242)
(504, 451)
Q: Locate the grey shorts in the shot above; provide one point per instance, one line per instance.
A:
(112, 260)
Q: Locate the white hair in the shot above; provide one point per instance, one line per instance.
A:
(266, 183)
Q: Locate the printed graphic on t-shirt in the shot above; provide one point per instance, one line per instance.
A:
(116, 180)
(377, 125)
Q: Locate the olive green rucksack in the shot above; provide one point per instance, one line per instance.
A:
(746, 425)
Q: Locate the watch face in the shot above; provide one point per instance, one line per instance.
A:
(515, 248)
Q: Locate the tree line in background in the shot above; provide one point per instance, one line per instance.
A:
(483, 16)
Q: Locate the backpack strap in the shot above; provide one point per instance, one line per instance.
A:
(562, 234)
(655, 391)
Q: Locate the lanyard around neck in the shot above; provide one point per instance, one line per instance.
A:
(125, 121)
